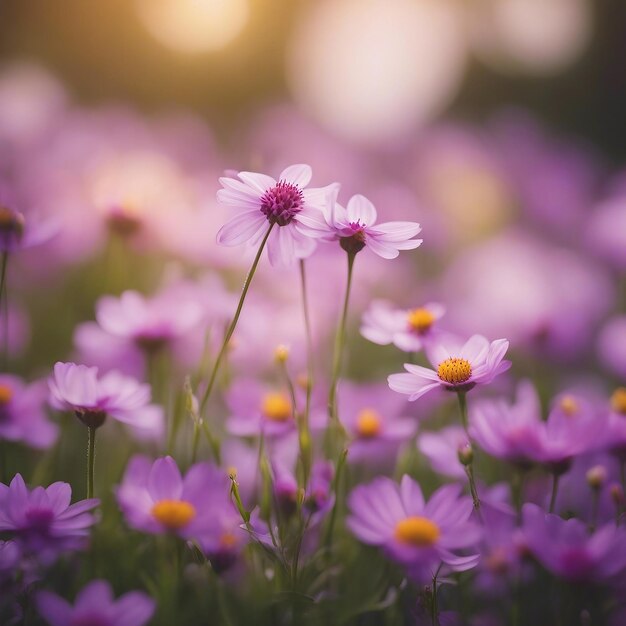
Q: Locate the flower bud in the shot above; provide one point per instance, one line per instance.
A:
(281, 354)
(596, 476)
(465, 454)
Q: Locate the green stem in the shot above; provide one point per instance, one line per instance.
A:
(305, 433)
(333, 514)
(91, 459)
(555, 489)
(469, 468)
(194, 442)
(233, 324)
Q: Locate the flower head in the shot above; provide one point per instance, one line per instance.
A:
(457, 367)
(93, 398)
(42, 520)
(406, 329)
(282, 204)
(95, 605)
(421, 535)
(355, 227)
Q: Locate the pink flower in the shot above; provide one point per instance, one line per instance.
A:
(406, 329)
(269, 202)
(458, 367)
(354, 227)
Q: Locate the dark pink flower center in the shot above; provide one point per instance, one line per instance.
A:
(282, 202)
(92, 617)
(39, 519)
(354, 242)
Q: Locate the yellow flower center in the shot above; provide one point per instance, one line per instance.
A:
(454, 371)
(420, 320)
(569, 405)
(276, 407)
(174, 514)
(618, 400)
(417, 531)
(368, 423)
(6, 394)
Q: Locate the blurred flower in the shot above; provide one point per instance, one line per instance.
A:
(95, 605)
(611, 345)
(419, 535)
(459, 367)
(22, 414)
(42, 520)
(442, 450)
(92, 398)
(567, 550)
(266, 201)
(355, 228)
(606, 231)
(406, 329)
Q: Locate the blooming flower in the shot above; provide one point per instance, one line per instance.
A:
(406, 329)
(22, 415)
(268, 202)
(43, 520)
(92, 398)
(95, 605)
(421, 535)
(355, 227)
(565, 547)
(458, 367)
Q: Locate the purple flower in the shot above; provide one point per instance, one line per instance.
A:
(282, 203)
(371, 416)
(43, 520)
(257, 409)
(156, 499)
(458, 367)
(442, 450)
(92, 398)
(95, 605)
(611, 346)
(565, 547)
(421, 535)
(355, 227)
(406, 329)
(614, 435)
(22, 415)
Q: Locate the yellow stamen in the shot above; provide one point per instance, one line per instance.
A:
(6, 395)
(276, 407)
(420, 320)
(417, 531)
(368, 423)
(281, 353)
(174, 514)
(618, 400)
(569, 405)
(454, 371)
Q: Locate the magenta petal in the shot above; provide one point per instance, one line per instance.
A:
(54, 609)
(164, 480)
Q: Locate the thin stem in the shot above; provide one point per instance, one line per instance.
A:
(339, 344)
(305, 434)
(595, 497)
(233, 324)
(333, 514)
(469, 467)
(194, 442)
(555, 489)
(91, 459)
(4, 307)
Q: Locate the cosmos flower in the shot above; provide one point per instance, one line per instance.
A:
(614, 435)
(42, 520)
(95, 605)
(442, 450)
(267, 202)
(355, 227)
(406, 329)
(420, 535)
(458, 367)
(569, 551)
(22, 414)
(92, 398)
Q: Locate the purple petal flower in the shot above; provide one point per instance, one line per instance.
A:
(95, 605)
(459, 367)
(442, 450)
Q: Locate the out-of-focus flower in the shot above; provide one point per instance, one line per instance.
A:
(256, 409)
(442, 450)
(459, 367)
(406, 329)
(355, 227)
(421, 535)
(565, 547)
(92, 398)
(155, 498)
(371, 415)
(614, 434)
(22, 414)
(267, 202)
(606, 233)
(611, 345)
(95, 604)
(42, 520)
(14, 331)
